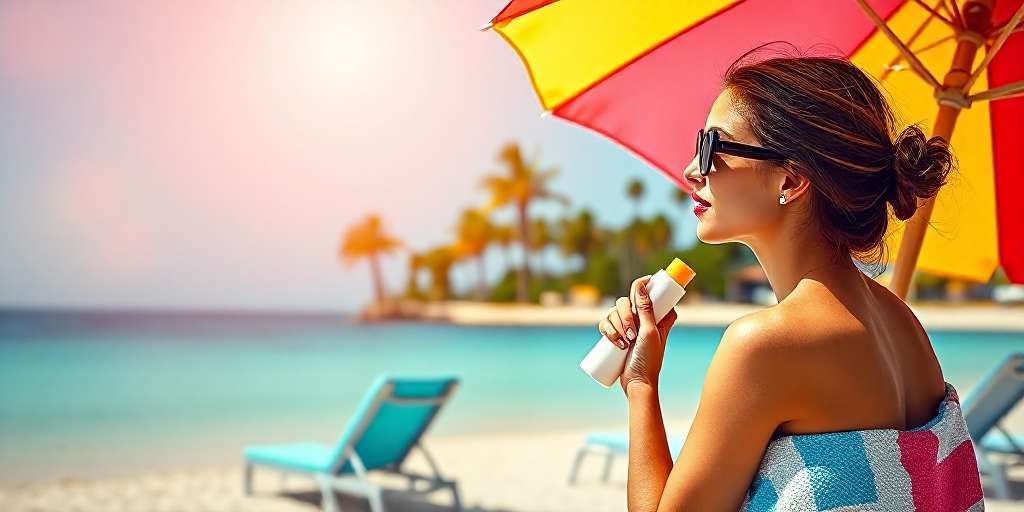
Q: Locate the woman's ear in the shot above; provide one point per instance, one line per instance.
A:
(793, 184)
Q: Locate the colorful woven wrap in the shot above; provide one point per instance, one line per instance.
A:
(928, 468)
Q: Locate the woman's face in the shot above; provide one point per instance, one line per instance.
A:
(744, 193)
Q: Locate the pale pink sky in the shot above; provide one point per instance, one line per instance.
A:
(209, 154)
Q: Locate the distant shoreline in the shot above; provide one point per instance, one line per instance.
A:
(962, 316)
(971, 316)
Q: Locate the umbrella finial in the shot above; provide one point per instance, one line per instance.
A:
(486, 27)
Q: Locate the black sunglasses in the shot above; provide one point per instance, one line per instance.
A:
(709, 142)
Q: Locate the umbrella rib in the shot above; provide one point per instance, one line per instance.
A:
(937, 15)
(954, 11)
(911, 40)
(1011, 90)
(933, 44)
(996, 32)
(991, 53)
(909, 55)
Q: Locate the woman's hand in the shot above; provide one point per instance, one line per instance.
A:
(631, 323)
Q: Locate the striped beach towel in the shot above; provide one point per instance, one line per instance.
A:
(928, 468)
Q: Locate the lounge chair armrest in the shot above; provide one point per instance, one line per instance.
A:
(1010, 438)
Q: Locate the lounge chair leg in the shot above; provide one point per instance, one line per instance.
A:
(996, 474)
(456, 503)
(576, 464)
(608, 460)
(376, 500)
(1000, 483)
(247, 480)
(327, 500)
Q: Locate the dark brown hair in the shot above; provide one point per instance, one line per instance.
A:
(833, 124)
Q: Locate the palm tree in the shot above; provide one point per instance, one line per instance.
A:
(635, 192)
(681, 197)
(660, 230)
(438, 262)
(579, 236)
(412, 285)
(504, 235)
(473, 234)
(368, 239)
(522, 183)
(651, 237)
(540, 239)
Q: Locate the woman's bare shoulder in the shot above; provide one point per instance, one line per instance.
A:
(777, 337)
(792, 344)
(763, 355)
(788, 327)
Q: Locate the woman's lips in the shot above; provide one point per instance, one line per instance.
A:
(700, 206)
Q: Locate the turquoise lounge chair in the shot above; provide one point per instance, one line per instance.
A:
(389, 422)
(988, 403)
(612, 445)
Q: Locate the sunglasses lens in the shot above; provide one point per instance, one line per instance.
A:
(706, 153)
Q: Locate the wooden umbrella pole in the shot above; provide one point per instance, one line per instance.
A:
(977, 15)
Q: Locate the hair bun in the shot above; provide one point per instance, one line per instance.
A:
(920, 167)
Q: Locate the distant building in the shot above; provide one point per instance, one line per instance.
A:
(746, 281)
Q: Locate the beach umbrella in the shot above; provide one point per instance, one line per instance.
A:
(644, 72)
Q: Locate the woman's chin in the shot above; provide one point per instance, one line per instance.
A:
(704, 232)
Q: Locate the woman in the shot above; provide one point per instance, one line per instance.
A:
(833, 397)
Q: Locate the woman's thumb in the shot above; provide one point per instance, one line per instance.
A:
(645, 307)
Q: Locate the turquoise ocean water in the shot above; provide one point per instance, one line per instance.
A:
(106, 393)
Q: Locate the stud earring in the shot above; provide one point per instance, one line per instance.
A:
(782, 198)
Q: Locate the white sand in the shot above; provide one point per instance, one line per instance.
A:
(495, 473)
(973, 316)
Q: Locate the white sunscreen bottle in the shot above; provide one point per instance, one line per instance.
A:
(605, 362)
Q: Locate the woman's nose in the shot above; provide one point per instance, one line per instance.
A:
(692, 173)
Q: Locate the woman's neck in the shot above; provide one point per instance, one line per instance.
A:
(793, 255)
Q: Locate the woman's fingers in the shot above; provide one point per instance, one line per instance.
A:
(609, 328)
(665, 325)
(632, 289)
(648, 325)
(626, 318)
(608, 331)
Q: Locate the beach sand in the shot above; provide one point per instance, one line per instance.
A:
(983, 316)
(507, 472)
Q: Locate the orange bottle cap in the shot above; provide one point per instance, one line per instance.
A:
(681, 272)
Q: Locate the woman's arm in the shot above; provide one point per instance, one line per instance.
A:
(746, 396)
(649, 458)
(748, 392)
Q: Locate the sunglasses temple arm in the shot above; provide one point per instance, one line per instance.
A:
(745, 151)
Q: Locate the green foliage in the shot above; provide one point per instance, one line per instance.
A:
(438, 262)
(603, 274)
(635, 189)
(712, 262)
(412, 285)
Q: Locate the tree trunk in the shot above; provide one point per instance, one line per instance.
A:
(378, 284)
(523, 279)
(481, 282)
